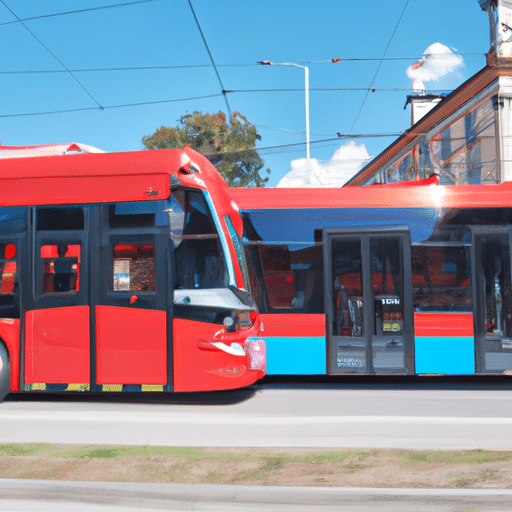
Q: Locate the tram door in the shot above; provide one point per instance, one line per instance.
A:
(369, 301)
(492, 300)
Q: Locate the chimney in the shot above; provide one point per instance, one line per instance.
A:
(421, 105)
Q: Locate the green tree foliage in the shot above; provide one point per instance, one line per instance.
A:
(230, 147)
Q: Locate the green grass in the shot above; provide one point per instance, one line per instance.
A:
(455, 457)
(99, 451)
(275, 461)
(114, 452)
(25, 449)
(260, 466)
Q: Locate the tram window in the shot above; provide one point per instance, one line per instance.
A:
(7, 268)
(198, 219)
(56, 218)
(141, 214)
(441, 278)
(8, 302)
(293, 278)
(255, 275)
(61, 268)
(495, 256)
(199, 261)
(199, 264)
(134, 267)
(13, 219)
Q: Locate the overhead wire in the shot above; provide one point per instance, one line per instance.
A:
(194, 66)
(108, 107)
(211, 57)
(380, 64)
(78, 11)
(298, 145)
(53, 54)
(327, 89)
(223, 93)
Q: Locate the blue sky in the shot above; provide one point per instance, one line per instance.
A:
(239, 33)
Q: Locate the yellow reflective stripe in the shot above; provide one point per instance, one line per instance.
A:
(112, 387)
(35, 386)
(41, 386)
(152, 387)
(78, 387)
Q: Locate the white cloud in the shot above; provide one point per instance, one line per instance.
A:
(346, 161)
(437, 61)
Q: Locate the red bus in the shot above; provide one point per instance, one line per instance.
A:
(122, 272)
(383, 279)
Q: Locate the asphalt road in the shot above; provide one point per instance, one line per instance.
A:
(42, 496)
(428, 415)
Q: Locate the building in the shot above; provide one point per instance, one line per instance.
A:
(465, 137)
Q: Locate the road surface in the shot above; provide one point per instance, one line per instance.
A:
(42, 496)
(415, 416)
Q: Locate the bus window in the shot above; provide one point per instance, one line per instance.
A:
(386, 268)
(199, 265)
(9, 307)
(130, 215)
(134, 267)
(237, 244)
(347, 273)
(57, 218)
(441, 278)
(287, 278)
(199, 259)
(7, 268)
(61, 268)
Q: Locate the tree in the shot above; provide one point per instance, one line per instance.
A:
(230, 147)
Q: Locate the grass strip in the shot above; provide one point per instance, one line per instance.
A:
(258, 466)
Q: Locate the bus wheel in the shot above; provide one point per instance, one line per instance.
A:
(5, 372)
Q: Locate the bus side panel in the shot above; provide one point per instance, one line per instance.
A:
(10, 333)
(198, 366)
(295, 343)
(57, 345)
(444, 343)
(131, 346)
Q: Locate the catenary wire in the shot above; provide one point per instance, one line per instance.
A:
(108, 107)
(193, 66)
(79, 11)
(53, 54)
(302, 144)
(380, 64)
(211, 57)
(328, 89)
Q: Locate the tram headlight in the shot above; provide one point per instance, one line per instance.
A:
(257, 355)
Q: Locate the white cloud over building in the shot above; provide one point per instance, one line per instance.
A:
(438, 61)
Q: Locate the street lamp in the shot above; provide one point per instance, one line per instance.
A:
(306, 91)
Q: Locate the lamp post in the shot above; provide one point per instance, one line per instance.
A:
(306, 92)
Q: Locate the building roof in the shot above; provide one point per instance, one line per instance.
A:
(495, 68)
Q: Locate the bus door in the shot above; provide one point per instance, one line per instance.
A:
(56, 319)
(368, 301)
(132, 313)
(492, 299)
